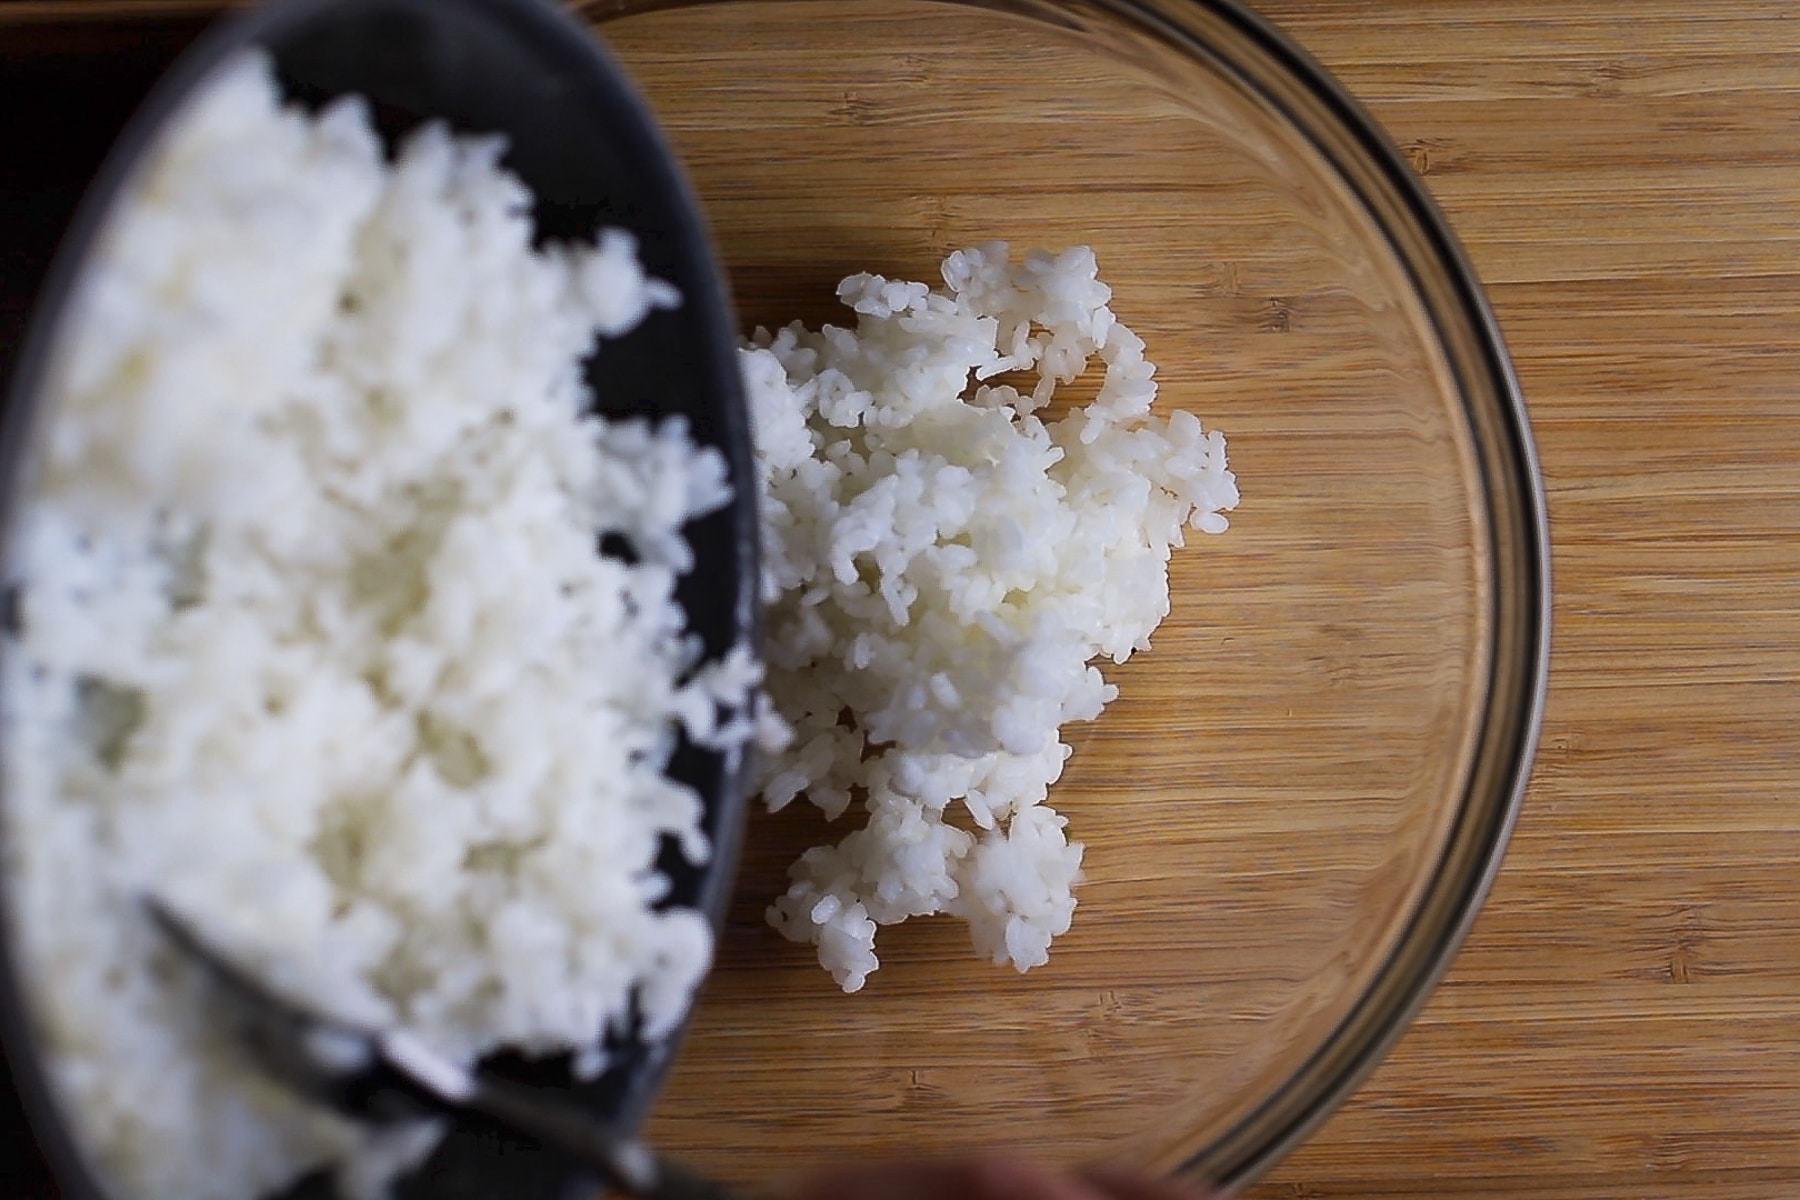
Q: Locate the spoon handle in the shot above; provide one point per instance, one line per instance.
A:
(624, 1163)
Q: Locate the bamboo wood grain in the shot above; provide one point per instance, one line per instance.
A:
(1625, 1020)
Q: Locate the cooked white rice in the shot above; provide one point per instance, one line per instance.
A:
(314, 641)
(942, 564)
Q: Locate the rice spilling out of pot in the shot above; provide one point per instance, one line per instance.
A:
(943, 567)
(312, 639)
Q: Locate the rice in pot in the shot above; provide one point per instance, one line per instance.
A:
(313, 639)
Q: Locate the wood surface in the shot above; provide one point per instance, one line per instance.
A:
(1624, 1020)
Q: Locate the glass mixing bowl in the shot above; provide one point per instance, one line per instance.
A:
(1294, 808)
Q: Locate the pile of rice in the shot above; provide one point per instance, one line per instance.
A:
(313, 640)
(942, 564)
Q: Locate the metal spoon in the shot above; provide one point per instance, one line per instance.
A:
(383, 1074)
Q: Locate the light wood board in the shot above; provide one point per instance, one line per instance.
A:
(1627, 182)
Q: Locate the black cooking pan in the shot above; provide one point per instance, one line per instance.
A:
(81, 99)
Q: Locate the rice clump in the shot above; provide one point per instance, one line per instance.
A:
(313, 640)
(942, 564)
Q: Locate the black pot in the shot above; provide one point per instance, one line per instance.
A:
(82, 98)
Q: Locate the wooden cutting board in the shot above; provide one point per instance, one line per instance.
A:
(1625, 1020)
